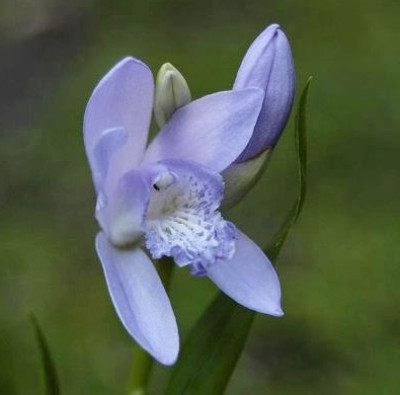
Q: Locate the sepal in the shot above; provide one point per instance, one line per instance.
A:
(241, 177)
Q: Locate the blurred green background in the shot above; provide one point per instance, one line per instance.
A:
(339, 270)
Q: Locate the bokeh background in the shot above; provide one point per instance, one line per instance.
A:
(340, 268)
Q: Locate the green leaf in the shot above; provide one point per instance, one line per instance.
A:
(212, 349)
(301, 146)
(215, 344)
(52, 387)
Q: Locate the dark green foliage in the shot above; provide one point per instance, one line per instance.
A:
(50, 374)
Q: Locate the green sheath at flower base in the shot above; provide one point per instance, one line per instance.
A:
(240, 177)
(171, 92)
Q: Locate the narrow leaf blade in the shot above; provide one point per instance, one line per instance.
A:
(212, 349)
(301, 147)
(214, 345)
(50, 374)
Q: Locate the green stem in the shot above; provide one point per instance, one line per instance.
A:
(142, 362)
(140, 373)
(165, 268)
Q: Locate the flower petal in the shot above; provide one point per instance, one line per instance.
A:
(140, 299)
(268, 65)
(249, 278)
(122, 99)
(109, 141)
(212, 130)
(121, 213)
(182, 221)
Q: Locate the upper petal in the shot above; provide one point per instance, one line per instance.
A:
(123, 99)
(212, 130)
(140, 299)
(249, 278)
(268, 65)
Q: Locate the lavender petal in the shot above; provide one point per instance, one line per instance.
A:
(140, 300)
(212, 130)
(122, 99)
(268, 65)
(249, 278)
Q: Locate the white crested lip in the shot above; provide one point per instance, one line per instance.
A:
(183, 221)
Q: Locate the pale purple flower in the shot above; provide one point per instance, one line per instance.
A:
(162, 199)
(268, 65)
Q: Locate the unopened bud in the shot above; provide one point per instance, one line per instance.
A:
(268, 65)
(172, 92)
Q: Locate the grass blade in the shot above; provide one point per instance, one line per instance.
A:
(50, 374)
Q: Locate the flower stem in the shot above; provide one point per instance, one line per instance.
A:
(165, 268)
(140, 373)
(142, 362)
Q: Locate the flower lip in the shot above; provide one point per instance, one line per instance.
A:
(182, 220)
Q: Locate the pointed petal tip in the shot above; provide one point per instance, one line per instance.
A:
(276, 27)
(130, 59)
(278, 312)
(166, 355)
(267, 308)
(268, 33)
(167, 352)
(273, 26)
(272, 304)
(168, 360)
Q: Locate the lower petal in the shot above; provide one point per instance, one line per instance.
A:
(249, 278)
(140, 300)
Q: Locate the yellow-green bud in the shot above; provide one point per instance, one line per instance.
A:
(172, 92)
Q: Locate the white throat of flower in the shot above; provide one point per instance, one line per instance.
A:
(182, 220)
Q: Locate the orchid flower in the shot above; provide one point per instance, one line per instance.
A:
(163, 198)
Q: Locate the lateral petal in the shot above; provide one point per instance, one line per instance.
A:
(249, 278)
